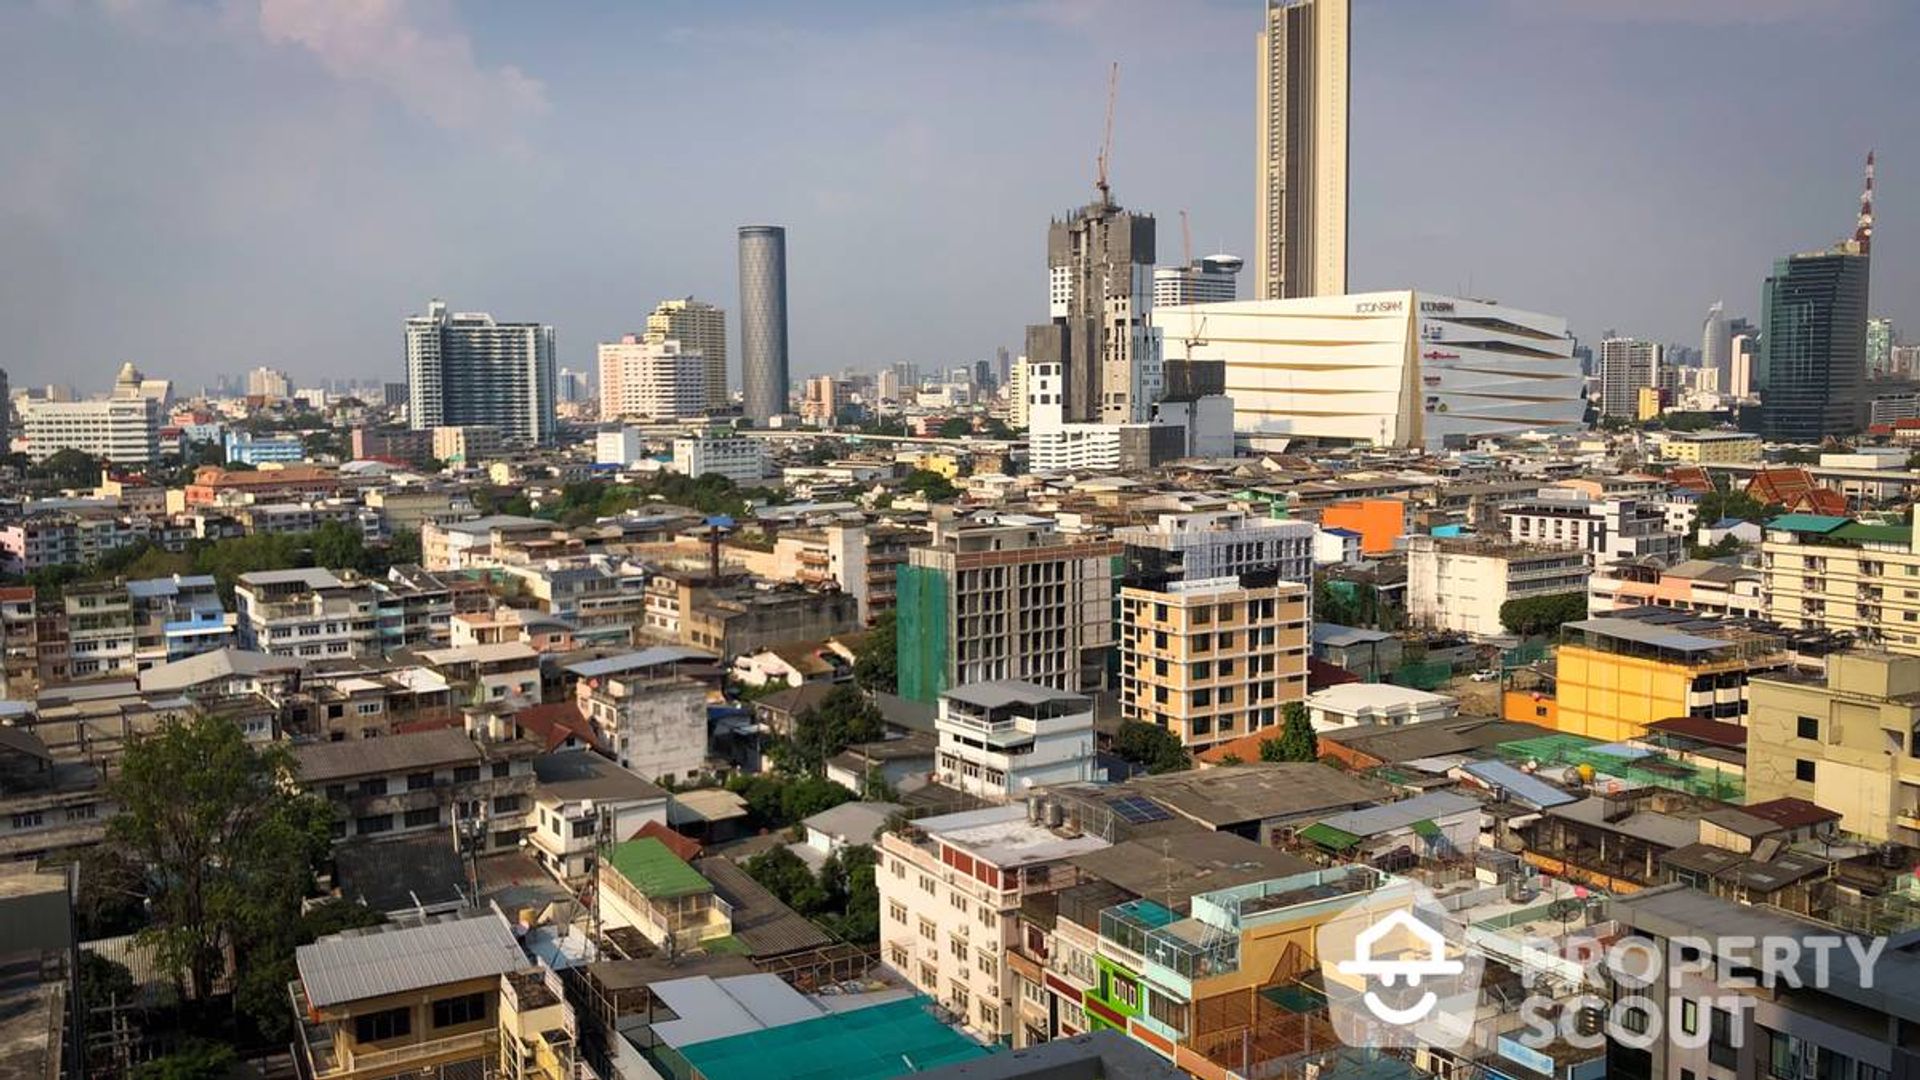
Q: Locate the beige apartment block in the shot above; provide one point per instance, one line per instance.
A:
(1844, 741)
(1213, 660)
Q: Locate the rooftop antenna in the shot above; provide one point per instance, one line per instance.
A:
(1186, 242)
(1863, 226)
(1106, 141)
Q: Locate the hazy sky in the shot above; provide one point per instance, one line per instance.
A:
(201, 186)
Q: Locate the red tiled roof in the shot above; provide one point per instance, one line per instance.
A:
(15, 593)
(1879, 429)
(1246, 747)
(552, 724)
(1910, 424)
(1794, 488)
(686, 848)
(1791, 813)
(1691, 477)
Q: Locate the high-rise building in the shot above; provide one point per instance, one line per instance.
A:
(763, 320)
(1626, 366)
(1212, 280)
(1213, 659)
(6, 413)
(1813, 352)
(821, 402)
(1300, 192)
(1716, 341)
(702, 328)
(269, 383)
(1002, 366)
(572, 387)
(122, 430)
(1100, 299)
(466, 369)
(658, 380)
(1740, 358)
(1880, 339)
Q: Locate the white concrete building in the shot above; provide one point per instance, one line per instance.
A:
(1609, 530)
(949, 892)
(1203, 544)
(1334, 547)
(467, 369)
(653, 721)
(999, 740)
(1460, 584)
(701, 329)
(576, 789)
(122, 431)
(739, 458)
(1353, 704)
(622, 447)
(659, 380)
(307, 613)
(1399, 368)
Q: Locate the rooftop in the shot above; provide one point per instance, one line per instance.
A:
(1003, 837)
(582, 774)
(761, 922)
(656, 872)
(1349, 697)
(410, 752)
(1003, 692)
(394, 959)
(1172, 868)
(1374, 820)
(873, 1043)
(1235, 794)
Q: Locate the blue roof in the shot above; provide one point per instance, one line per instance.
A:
(1338, 531)
(1728, 523)
(1521, 787)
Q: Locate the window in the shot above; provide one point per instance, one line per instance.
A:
(1807, 727)
(958, 947)
(501, 769)
(927, 930)
(897, 956)
(418, 781)
(385, 1024)
(1779, 1054)
(337, 792)
(1634, 1020)
(926, 884)
(1168, 1011)
(896, 911)
(466, 774)
(958, 902)
(989, 966)
(378, 823)
(961, 998)
(1803, 771)
(1721, 1051)
(1689, 1016)
(506, 804)
(465, 1009)
(423, 817)
(368, 708)
(1125, 991)
(989, 1017)
(582, 829)
(31, 820)
(376, 786)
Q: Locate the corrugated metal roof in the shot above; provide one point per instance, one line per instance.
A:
(395, 959)
(1521, 787)
(1400, 815)
(408, 752)
(708, 1008)
(635, 661)
(1813, 523)
(763, 925)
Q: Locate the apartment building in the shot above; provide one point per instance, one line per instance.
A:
(1832, 573)
(1213, 659)
(489, 674)
(123, 430)
(453, 996)
(950, 890)
(417, 608)
(423, 781)
(1708, 447)
(1848, 740)
(742, 621)
(1460, 584)
(1849, 1023)
(19, 640)
(649, 715)
(467, 445)
(1011, 598)
(271, 518)
(309, 613)
(999, 740)
(863, 560)
(101, 629)
(603, 599)
(1203, 545)
(177, 617)
(44, 540)
(740, 458)
(578, 789)
(1609, 531)
(482, 542)
(642, 884)
(1615, 674)
(1700, 586)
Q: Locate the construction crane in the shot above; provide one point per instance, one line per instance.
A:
(1106, 141)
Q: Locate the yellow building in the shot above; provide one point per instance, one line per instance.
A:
(1648, 405)
(440, 998)
(934, 461)
(1618, 673)
(1710, 447)
(1845, 742)
(1213, 660)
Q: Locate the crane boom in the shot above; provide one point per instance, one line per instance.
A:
(1106, 140)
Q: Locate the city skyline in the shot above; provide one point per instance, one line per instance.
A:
(172, 273)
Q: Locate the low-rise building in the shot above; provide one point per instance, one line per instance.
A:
(1609, 531)
(1846, 740)
(1701, 586)
(177, 617)
(1460, 584)
(101, 630)
(406, 784)
(999, 740)
(311, 613)
(648, 712)
(1709, 447)
(469, 445)
(1353, 704)
(1829, 573)
(740, 458)
(583, 800)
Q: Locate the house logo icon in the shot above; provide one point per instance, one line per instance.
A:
(1395, 972)
(1400, 920)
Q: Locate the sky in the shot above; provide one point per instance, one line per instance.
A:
(204, 186)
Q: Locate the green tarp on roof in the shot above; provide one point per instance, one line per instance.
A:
(1329, 837)
(1861, 532)
(656, 871)
(1425, 828)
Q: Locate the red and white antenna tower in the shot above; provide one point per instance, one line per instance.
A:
(1863, 228)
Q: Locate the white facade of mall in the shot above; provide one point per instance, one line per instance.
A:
(1400, 368)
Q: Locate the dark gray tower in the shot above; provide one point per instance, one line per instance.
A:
(763, 320)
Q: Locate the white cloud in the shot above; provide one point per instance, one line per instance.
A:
(412, 51)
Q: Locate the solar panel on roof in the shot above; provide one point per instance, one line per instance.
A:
(1136, 810)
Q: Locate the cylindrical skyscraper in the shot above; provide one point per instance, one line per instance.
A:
(763, 320)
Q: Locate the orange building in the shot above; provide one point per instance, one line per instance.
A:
(1378, 521)
(213, 485)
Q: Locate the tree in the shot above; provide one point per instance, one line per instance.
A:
(104, 982)
(231, 843)
(876, 667)
(1296, 741)
(955, 427)
(929, 485)
(842, 718)
(851, 887)
(112, 892)
(69, 469)
(335, 546)
(1151, 746)
(262, 989)
(197, 1059)
(1534, 615)
(783, 874)
(403, 549)
(996, 428)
